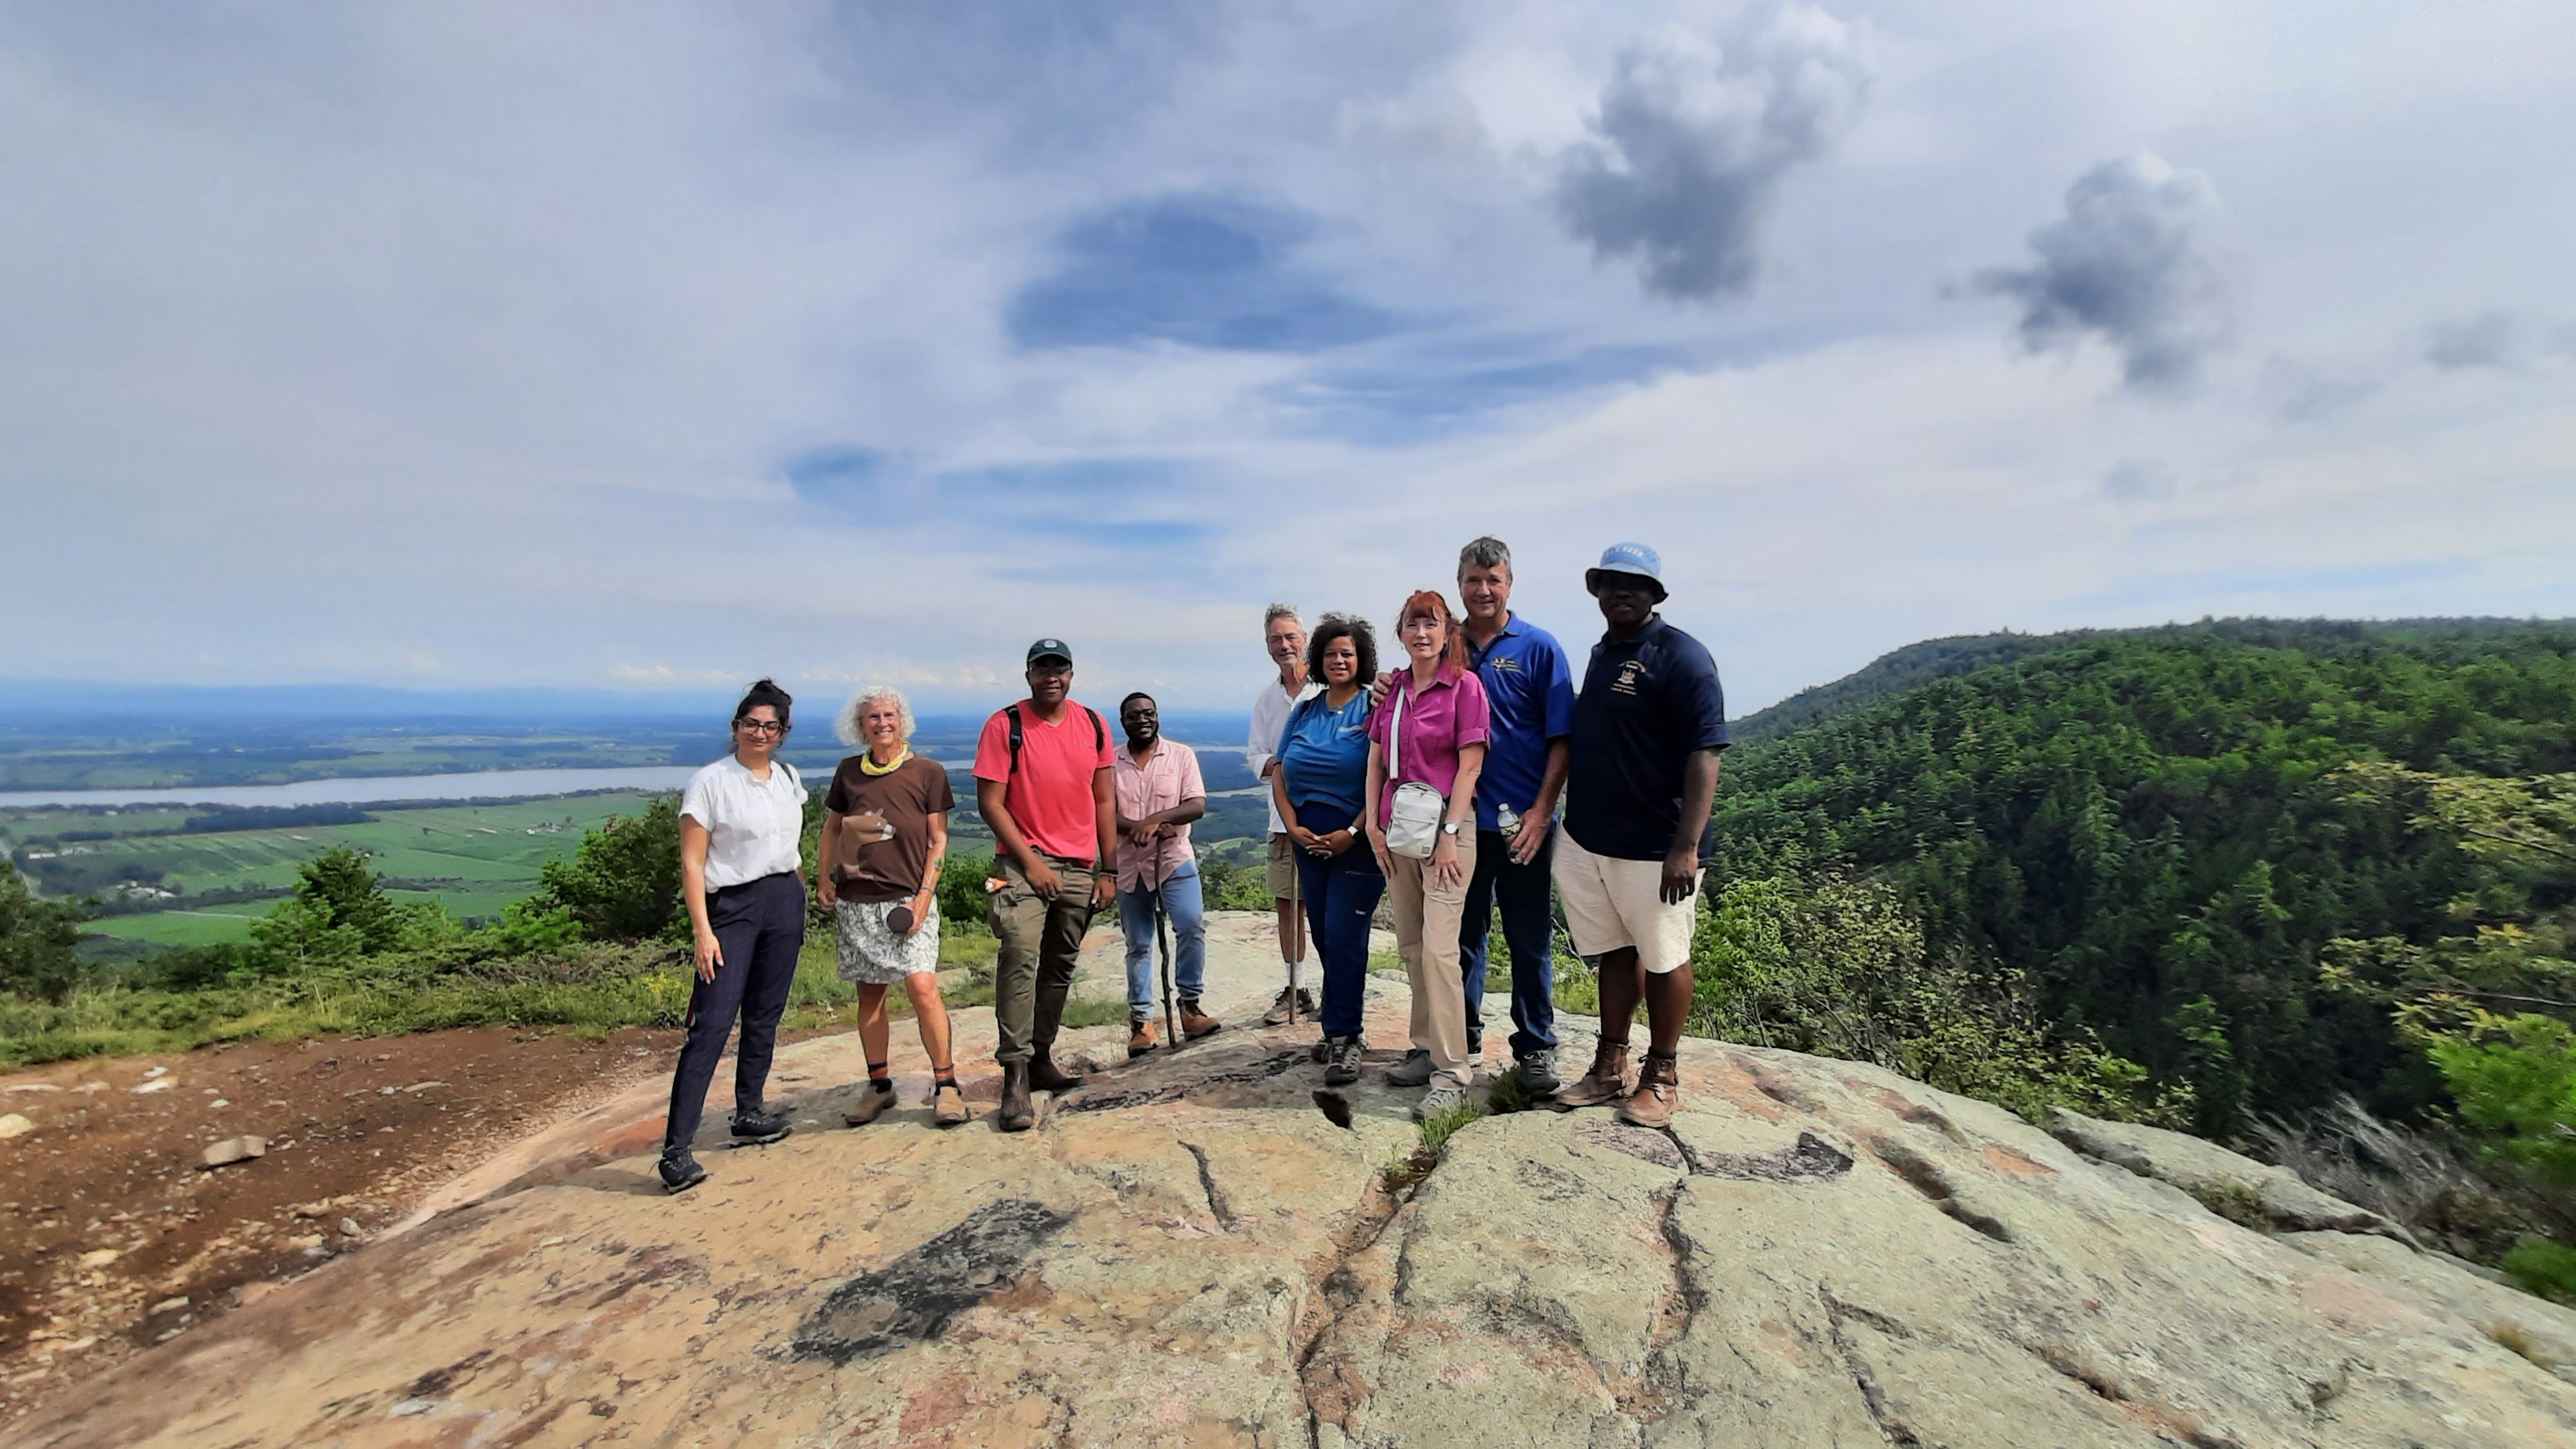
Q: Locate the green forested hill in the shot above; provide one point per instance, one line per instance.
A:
(2146, 825)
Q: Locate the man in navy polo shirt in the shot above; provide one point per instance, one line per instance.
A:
(1647, 731)
(1530, 694)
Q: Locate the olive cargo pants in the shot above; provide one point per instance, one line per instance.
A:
(1040, 940)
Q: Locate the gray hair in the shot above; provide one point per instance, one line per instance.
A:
(1484, 553)
(847, 725)
(1277, 612)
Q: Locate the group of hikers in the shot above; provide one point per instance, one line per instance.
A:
(1436, 786)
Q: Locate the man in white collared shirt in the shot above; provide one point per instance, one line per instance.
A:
(1285, 637)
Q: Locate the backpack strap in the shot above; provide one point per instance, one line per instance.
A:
(1099, 732)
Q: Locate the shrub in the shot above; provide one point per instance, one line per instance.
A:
(37, 941)
(2541, 1267)
(623, 881)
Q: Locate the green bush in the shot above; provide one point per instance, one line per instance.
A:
(2515, 1081)
(623, 881)
(37, 940)
(2546, 1269)
(961, 889)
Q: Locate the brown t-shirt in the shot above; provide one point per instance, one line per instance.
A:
(872, 868)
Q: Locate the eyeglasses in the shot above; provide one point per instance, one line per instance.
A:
(760, 726)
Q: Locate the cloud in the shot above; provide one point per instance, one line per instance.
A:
(2139, 480)
(2126, 264)
(2490, 339)
(1694, 140)
(1201, 271)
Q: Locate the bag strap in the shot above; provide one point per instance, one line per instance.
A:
(1395, 733)
(1099, 732)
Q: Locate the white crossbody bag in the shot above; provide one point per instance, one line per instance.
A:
(1413, 824)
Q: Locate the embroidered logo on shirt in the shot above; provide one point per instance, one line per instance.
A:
(1630, 672)
(1506, 663)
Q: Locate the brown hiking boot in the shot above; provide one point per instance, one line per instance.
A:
(948, 1108)
(1015, 1113)
(1659, 1090)
(870, 1103)
(1140, 1038)
(1196, 1023)
(1608, 1081)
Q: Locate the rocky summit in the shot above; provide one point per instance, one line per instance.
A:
(1194, 1249)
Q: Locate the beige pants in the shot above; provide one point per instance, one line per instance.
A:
(1426, 936)
(1610, 903)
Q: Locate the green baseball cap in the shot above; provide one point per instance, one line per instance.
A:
(1050, 649)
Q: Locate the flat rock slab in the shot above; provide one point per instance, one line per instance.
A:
(232, 1150)
(1816, 1253)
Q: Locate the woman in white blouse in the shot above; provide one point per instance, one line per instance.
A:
(744, 885)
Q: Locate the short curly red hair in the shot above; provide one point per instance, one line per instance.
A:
(1431, 604)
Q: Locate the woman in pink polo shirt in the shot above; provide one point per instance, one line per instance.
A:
(1427, 743)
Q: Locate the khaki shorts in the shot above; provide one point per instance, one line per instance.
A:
(1610, 903)
(1283, 871)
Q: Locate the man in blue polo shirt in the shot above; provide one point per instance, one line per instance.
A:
(1647, 731)
(1529, 693)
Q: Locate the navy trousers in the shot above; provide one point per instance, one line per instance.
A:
(1529, 929)
(759, 926)
(1341, 895)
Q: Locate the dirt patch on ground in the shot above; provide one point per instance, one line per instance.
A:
(114, 1238)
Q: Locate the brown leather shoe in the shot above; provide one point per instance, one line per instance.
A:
(948, 1108)
(869, 1104)
(1140, 1038)
(1015, 1113)
(1659, 1090)
(1608, 1081)
(1046, 1076)
(1196, 1023)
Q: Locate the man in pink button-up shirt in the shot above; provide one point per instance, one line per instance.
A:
(1158, 791)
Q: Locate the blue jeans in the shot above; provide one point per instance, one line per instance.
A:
(1529, 930)
(759, 926)
(1341, 895)
(1189, 940)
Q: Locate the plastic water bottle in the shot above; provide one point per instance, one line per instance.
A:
(1509, 820)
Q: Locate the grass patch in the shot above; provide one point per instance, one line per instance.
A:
(2543, 1269)
(1439, 1127)
(1081, 1011)
(1508, 1095)
(2240, 1203)
(2513, 1338)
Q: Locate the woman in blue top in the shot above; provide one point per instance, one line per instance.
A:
(1321, 789)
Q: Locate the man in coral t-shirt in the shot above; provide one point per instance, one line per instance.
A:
(1042, 781)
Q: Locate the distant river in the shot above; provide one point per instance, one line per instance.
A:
(379, 789)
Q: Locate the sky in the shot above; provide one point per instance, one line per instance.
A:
(654, 346)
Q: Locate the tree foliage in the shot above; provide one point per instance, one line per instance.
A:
(623, 881)
(2156, 829)
(36, 940)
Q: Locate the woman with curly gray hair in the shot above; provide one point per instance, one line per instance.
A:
(885, 832)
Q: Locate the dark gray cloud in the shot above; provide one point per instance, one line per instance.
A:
(1694, 140)
(2126, 264)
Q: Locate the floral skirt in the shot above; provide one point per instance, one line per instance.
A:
(874, 954)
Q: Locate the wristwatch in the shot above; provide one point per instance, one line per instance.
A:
(1449, 827)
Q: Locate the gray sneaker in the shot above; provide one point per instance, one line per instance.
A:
(1413, 1071)
(1437, 1101)
(1343, 1067)
(1538, 1073)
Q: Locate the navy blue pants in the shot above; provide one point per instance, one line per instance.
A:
(1529, 930)
(759, 926)
(1341, 895)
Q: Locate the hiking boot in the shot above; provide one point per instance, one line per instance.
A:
(679, 1171)
(1342, 1061)
(1659, 1090)
(1046, 1076)
(1476, 1050)
(1323, 1051)
(1608, 1081)
(1538, 1073)
(1413, 1071)
(1015, 1113)
(751, 1129)
(948, 1107)
(1438, 1100)
(871, 1103)
(1140, 1038)
(1280, 1007)
(1196, 1023)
